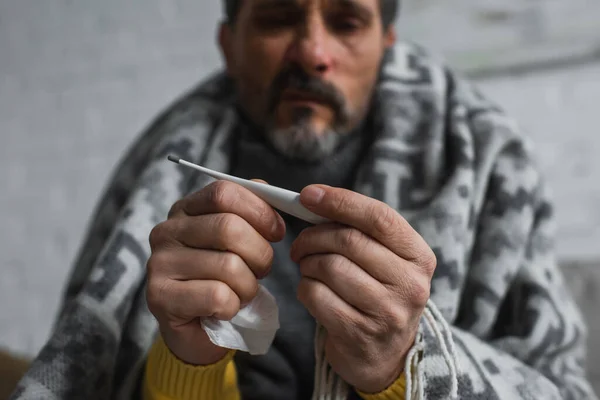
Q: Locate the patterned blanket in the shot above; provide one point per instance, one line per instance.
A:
(443, 156)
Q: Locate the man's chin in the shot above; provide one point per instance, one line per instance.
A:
(305, 130)
(303, 143)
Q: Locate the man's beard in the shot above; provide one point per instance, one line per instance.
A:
(301, 141)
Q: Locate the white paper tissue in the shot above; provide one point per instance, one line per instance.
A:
(252, 329)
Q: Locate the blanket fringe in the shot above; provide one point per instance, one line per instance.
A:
(329, 386)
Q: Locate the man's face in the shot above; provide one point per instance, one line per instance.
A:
(305, 69)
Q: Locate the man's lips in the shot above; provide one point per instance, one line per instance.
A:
(303, 97)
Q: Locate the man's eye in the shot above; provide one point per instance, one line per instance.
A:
(281, 20)
(345, 25)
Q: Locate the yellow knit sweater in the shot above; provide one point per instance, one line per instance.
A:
(168, 378)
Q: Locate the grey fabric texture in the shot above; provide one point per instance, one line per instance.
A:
(442, 155)
(287, 370)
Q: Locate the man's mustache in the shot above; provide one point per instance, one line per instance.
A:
(296, 79)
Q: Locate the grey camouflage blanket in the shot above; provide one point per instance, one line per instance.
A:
(447, 159)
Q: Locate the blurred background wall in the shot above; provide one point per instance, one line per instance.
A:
(79, 79)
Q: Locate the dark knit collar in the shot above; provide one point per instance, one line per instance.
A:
(255, 157)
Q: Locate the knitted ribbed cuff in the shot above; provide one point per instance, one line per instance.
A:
(394, 392)
(169, 377)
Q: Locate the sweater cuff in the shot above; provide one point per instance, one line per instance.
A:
(167, 377)
(394, 392)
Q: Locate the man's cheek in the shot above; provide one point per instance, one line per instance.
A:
(253, 97)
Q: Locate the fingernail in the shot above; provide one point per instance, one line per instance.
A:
(280, 222)
(279, 218)
(312, 195)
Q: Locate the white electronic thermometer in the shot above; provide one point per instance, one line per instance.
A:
(281, 199)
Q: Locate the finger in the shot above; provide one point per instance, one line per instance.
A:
(327, 308)
(368, 215)
(276, 212)
(259, 181)
(224, 232)
(347, 280)
(229, 197)
(374, 258)
(176, 210)
(186, 300)
(186, 264)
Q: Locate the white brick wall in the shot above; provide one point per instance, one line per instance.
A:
(79, 79)
(560, 111)
(482, 34)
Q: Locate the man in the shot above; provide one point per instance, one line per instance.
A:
(434, 279)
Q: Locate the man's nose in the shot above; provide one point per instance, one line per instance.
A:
(310, 49)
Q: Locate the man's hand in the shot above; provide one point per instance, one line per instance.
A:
(206, 258)
(366, 278)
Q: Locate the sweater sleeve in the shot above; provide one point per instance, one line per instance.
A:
(168, 378)
(394, 392)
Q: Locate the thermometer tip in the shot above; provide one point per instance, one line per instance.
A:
(173, 158)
